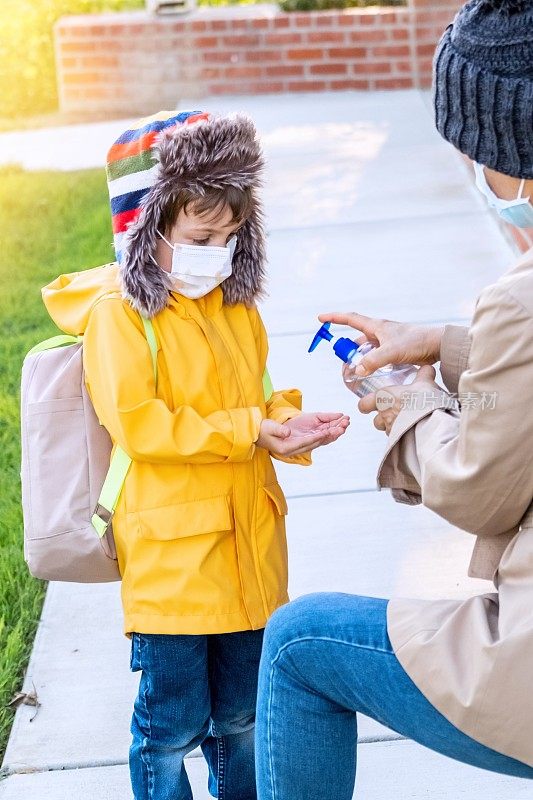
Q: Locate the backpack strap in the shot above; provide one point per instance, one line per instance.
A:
(55, 341)
(120, 462)
(268, 389)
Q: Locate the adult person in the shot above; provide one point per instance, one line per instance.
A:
(454, 675)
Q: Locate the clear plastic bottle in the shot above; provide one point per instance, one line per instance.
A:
(351, 353)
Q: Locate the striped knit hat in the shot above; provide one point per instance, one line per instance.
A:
(132, 167)
(146, 168)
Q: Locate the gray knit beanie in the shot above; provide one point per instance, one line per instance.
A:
(483, 84)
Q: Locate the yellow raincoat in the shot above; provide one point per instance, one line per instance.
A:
(199, 527)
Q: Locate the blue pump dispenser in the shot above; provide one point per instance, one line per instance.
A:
(344, 348)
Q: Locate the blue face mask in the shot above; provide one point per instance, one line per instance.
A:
(518, 212)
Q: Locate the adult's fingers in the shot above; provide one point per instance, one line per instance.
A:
(377, 358)
(367, 404)
(360, 322)
(379, 423)
(425, 374)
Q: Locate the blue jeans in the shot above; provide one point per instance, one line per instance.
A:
(194, 690)
(326, 657)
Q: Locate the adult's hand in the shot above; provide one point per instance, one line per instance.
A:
(395, 342)
(389, 401)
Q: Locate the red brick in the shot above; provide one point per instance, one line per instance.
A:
(305, 86)
(284, 70)
(99, 61)
(239, 24)
(225, 88)
(403, 66)
(260, 23)
(95, 94)
(364, 36)
(391, 52)
(241, 40)
(77, 47)
(220, 57)
(328, 69)
(210, 73)
(387, 19)
(350, 83)
(324, 20)
(324, 37)
(263, 55)
(368, 19)
(347, 52)
(283, 38)
(349, 20)
(75, 30)
(394, 83)
(425, 65)
(68, 63)
(372, 68)
(203, 42)
(217, 25)
(400, 34)
(425, 50)
(141, 29)
(264, 87)
(305, 54)
(81, 77)
(282, 21)
(303, 20)
(242, 72)
(198, 25)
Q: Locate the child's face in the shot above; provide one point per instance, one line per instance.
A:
(212, 229)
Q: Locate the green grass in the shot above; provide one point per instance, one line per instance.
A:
(50, 223)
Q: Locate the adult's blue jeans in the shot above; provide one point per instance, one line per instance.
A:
(326, 657)
(194, 690)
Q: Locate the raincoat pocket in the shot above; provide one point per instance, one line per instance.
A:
(275, 492)
(186, 519)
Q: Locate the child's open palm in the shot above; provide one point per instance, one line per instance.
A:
(302, 433)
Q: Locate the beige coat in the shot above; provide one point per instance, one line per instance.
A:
(473, 659)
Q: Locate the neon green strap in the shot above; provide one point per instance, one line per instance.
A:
(114, 481)
(152, 343)
(268, 389)
(55, 341)
(120, 462)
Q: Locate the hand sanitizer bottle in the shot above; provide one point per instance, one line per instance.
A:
(351, 353)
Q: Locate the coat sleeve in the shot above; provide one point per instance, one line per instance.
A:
(283, 404)
(454, 354)
(473, 467)
(123, 393)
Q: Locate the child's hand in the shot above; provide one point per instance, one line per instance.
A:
(301, 434)
(331, 424)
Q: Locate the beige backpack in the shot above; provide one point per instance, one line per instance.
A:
(70, 483)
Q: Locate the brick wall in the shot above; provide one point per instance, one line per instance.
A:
(136, 63)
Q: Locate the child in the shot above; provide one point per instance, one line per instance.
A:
(199, 527)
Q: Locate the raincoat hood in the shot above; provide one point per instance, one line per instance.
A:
(69, 299)
(146, 168)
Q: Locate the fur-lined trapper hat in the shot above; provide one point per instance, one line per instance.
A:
(146, 168)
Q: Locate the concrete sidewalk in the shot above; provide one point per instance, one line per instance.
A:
(368, 209)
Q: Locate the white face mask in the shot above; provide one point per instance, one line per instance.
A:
(518, 212)
(198, 269)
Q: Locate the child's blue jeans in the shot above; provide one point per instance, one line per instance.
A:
(326, 657)
(194, 690)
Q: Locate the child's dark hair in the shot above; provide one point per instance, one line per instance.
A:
(241, 202)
